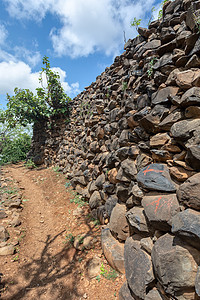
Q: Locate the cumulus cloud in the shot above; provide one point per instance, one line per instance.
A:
(16, 74)
(87, 26)
(19, 74)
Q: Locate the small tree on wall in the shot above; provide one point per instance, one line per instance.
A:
(50, 100)
(50, 103)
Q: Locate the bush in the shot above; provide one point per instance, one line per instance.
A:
(16, 149)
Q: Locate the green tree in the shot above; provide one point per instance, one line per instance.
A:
(50, 100)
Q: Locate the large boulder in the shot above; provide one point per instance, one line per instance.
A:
(188, 192)
(160, 209)
(156, 177)
(175, 265)
(138, 267)
(187, 225)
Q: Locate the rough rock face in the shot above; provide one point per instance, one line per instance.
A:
(138, 267)
(174, 259)
(131, 148)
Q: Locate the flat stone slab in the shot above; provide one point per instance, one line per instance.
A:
(156, 177)
(113, 250)
(139, 269)
(187, 225)
(160, 209)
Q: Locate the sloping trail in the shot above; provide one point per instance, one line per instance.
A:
(46, 267)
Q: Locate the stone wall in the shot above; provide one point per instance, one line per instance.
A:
(132, 148)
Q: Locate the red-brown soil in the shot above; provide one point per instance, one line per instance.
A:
(45, 264)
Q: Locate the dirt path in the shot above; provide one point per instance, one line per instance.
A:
(46, 265)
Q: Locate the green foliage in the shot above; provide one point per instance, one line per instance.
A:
(29, 164)
(14, 143)
(124, 86)
(151, 17)
(70, 239)
(160, 13)
(150, 69)
(77, 199)
(136, 22)
(110, 275)
(50, 100)
(67, 184)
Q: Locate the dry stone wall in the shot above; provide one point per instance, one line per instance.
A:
(132, 148)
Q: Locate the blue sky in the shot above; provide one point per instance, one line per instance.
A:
(80, 37)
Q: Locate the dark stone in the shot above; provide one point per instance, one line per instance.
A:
(191, 97)
(156, 177)
(159, 78)
(126, 152)
(143, 160)
(168, 47)
(162, 96)
(167, 35)
(160, 209)
(193, 62)
(122, 192)
(161, 155)
(170, 257)
(172, 118)
(129, 168)
(142, 101)
(122, 176)
(150, 122)
(95, 200)
(138, 267)
(125, 292)
(190, 42)
(137, 221)
(110, 204)
(108, 187)
(166, 59)
(186, 131)
(100, 181)
(38, 159)
(193, 157)
(186, 224)
(196, 48)
(188, 192)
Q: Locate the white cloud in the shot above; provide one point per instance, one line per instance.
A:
(32, 58)
(18, 74)
(3, 34)
(87, 25)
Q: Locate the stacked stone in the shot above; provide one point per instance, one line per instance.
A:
(132, 148)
